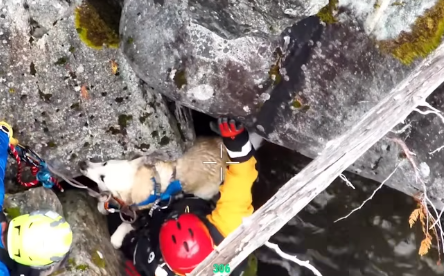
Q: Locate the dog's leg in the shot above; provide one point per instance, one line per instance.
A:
(165, 172)
(120, 233)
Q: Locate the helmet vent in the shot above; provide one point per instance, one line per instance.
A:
(178, 225)
(174, 238)
(186, 246)
(18, 228)
(191, 232)
(30, 224)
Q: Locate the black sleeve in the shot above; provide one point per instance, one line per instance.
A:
(2, 217)
(22, 270)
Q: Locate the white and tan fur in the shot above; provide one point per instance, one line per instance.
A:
(130, 180)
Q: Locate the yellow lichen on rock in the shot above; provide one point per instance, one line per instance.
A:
(326, 14)
(92, 29)
(426, 35)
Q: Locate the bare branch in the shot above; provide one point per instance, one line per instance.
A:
(371, 196)
(291, 258)
(402, 130)
(342, 176)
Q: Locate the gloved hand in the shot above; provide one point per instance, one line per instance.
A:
(236, 140)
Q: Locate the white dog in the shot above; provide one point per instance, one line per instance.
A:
(200, 171)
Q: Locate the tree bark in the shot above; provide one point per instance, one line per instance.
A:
(338, 155)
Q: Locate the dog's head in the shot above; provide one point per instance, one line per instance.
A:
(112, 175)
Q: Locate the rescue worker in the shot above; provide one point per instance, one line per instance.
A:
(182, 234)
(32, 241)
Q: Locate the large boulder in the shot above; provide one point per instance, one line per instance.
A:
(92, 252)
(210, 55)
(68, 100)
(300, 83)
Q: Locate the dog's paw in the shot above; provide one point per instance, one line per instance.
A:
(119, 235)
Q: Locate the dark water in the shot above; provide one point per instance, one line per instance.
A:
(374, 241)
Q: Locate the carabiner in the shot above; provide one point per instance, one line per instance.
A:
(28, 156)
(129, 212)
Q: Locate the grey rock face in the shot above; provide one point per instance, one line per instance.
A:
(326, 79)
(211, 55)
(92, 252)
(44, 66)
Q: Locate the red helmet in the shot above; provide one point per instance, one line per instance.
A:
(184, 243)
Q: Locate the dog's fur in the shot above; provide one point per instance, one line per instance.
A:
(130, 181)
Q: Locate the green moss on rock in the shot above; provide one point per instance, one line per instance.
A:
(425, 36)
(180, 79)
(274, 71)
(326, 14)
(71, 265)
(82, 267)
(92, 29)
(252, 263)
(61, 61)
(52, 144)
(130, 40)
(297, 104)
(124, 119)
(97, 259)
(13, 212)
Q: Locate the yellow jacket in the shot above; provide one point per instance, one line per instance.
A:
(235, 200)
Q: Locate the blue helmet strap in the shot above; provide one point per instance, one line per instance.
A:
(173, 188)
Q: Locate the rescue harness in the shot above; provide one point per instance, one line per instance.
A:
(172, 193)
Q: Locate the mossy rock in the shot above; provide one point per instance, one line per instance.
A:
(326, 14)
(98, 259)
(251, 269)
(92, 29)
(425, 37)
(13, 212)
(180, 79)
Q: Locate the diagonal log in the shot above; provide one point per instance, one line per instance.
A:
(336, 157)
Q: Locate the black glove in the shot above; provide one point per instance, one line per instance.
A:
(236, 140)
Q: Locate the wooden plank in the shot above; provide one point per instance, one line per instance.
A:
(336, 157)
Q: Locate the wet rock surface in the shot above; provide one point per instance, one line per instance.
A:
(322, 79)
(92, 252)
(63, 98)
